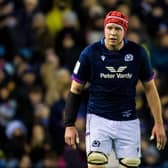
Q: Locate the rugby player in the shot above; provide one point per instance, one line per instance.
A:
(113, 67)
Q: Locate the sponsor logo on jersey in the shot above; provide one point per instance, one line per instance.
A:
(116, 73)
(120, 69)
(128, 57)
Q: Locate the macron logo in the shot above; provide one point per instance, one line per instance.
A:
(113, 70)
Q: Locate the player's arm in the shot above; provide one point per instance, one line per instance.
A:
(153, 99)
(72, 103)
(71, 110)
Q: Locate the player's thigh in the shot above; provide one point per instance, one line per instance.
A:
(97, 135)
(127, 145)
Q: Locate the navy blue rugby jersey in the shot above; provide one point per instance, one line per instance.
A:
(113, 76)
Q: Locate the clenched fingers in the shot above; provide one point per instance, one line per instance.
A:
(71, 136)
(72, 141)
(161, 142)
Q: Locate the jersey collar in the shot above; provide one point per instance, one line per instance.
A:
(109, 52)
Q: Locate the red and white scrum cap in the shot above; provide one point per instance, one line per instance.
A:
(117, 17)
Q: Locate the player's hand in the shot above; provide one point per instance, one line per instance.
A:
(71, 136)
(158, 132)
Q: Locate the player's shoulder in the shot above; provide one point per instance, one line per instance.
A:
(134, 46)
(94, 47)
(138, 50)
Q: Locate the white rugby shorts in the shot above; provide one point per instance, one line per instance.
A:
(104, 135)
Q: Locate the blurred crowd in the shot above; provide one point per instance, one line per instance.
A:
(40, 41)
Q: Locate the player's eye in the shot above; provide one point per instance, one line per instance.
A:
(118, 28)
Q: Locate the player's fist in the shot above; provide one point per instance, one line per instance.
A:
(71, 136)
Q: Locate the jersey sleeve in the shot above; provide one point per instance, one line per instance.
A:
(81, 72)
(146, 72)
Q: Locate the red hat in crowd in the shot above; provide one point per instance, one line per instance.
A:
(117, 17)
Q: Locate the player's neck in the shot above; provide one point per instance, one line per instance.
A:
(115, 47)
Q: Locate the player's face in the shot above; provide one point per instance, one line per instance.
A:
(114, 35)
